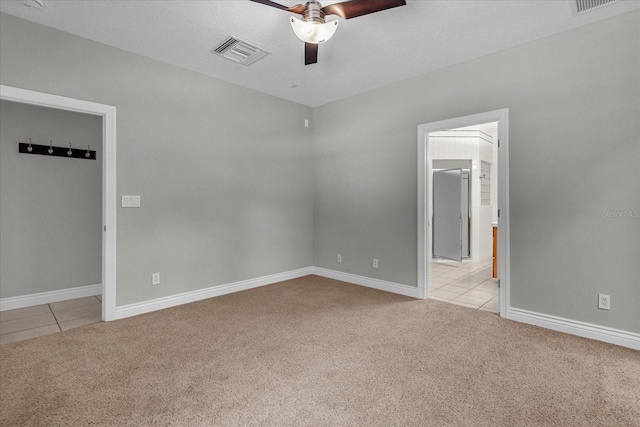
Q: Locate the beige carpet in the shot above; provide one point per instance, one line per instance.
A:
(317, 352)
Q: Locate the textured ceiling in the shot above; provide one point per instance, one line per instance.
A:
(365, 53)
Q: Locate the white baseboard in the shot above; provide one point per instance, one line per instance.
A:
(214, 291)
(582, 329)
(396, 288)
(574, 327)
(200, 294)
(11, 303)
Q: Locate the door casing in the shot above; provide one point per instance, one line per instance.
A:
(109, 199)
(424, 170)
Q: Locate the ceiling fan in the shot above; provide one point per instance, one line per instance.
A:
(313, 29)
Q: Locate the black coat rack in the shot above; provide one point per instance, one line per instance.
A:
(50, 150)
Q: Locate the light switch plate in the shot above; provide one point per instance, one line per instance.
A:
(130, 201)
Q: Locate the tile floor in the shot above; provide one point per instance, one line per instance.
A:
(467, 283)
(31, 322)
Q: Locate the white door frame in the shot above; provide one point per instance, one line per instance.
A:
(424, 228)
(109, 202)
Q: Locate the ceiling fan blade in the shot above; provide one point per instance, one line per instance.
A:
(271, 3)
(299, 8)
(310, 53)
(355, 8)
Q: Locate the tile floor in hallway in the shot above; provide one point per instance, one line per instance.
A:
(31, 322)
(467, 283)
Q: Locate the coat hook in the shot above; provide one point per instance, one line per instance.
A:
(29, 148)
(50, 150)
(88, 153)
(69, 152)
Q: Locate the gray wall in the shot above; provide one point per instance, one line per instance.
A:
(574, 120)
(222, 171)
(50, 207)
(227, 195)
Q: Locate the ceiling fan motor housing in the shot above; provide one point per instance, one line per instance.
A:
(313, 29)
(313, 12)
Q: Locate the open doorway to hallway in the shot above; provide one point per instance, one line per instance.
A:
(463, 210)
(50, 220)
(473, 147)
(44, 300)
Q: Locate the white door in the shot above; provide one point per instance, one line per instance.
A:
(447, 214)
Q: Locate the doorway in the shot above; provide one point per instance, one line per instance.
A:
(474, 267)
(108, 114)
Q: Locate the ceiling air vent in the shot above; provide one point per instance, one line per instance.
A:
(36, 4)
(583, 6)
(239, 51)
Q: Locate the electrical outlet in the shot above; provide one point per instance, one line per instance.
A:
(604, 301)
(375, 263)
(339, 258)
(155, 279)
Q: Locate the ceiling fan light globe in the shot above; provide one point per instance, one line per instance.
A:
(313, 32)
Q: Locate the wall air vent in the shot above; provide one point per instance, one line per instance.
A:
(239, 51)
(582, 6)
